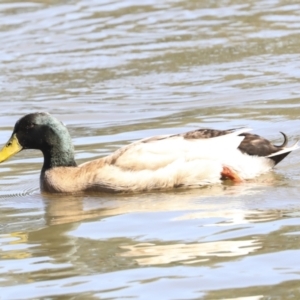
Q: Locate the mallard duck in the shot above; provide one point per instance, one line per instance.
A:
(192, 159)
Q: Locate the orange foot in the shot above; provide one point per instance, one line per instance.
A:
(230, 174)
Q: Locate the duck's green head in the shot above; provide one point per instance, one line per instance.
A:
(39, 131)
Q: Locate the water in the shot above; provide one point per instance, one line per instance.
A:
(118, 71)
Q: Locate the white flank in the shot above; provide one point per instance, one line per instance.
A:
(155, 153)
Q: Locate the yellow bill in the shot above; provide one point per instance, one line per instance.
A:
(11, 148)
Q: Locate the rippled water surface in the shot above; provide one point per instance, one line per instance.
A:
(118, 71)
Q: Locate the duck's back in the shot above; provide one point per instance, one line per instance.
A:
(159, 151)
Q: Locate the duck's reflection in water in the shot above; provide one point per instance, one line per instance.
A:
(151, 254)
(69, 211)
(60, 209)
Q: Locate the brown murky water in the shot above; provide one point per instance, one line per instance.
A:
(117, 71)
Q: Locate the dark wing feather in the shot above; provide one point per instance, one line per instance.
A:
(254, 144)
(206, 133)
